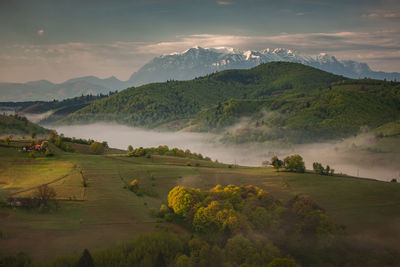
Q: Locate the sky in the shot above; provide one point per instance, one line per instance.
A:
(57, 40)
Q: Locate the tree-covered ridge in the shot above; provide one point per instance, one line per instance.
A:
(59, 109)
(17, 125)
(338, 111)
(153, 104)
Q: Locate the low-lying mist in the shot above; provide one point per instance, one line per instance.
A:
(340, 156)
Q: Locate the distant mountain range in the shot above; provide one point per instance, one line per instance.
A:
(199, 61)
(190, 64)
(46, 91)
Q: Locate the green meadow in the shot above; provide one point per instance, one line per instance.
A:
(106, 213)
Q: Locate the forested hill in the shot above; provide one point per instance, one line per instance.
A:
(56, 109)
(281, 101)
(17, 125)
(340, 110)
(154, 104)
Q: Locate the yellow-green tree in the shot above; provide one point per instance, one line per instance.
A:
(182, 200)
(96, 148)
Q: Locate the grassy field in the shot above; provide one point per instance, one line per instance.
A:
(106, 213)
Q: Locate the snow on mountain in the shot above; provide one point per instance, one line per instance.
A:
(198, 61)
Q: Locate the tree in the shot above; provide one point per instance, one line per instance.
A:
(327, 170)
(130, 148)
(7, 140)
(45, 193)
(283, 262)
(160, 260)
(318, 168)
(105, 144)
(33, 134)
(48, 153)
(182, 199)
(295, 163)
(276, 162)
(52, 136)
(96, 148)
(85, 260)
(183, 261)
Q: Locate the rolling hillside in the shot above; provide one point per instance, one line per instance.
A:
(154, 104)
(16, 125)
(281, 101)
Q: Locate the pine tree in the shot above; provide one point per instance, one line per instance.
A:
(86, 259)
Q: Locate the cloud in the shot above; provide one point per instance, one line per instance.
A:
(224, 3)
(59, 62)
(382, 14)
(40, 32)
(391, 15)
(370, 16)
(300, 14)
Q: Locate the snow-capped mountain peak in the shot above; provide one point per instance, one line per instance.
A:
(198, 61)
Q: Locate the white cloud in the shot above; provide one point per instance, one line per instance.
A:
(300, 14)
(382, 14)
(224, 3)
(391, 15)
(40, 32)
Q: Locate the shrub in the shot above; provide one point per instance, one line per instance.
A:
(7, 140)
(48, 153)
(134, 184)
(96, 148)
(319, 169)
(283, 262)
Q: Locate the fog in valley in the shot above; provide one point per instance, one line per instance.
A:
(339, 155)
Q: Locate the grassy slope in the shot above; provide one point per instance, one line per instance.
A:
(111, 214)
(153, 104)
(19, 125)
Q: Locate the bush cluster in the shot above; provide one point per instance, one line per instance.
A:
(164, 150)
(293, 163)
(318, 168)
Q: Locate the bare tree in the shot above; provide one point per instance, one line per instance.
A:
(45, 193)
